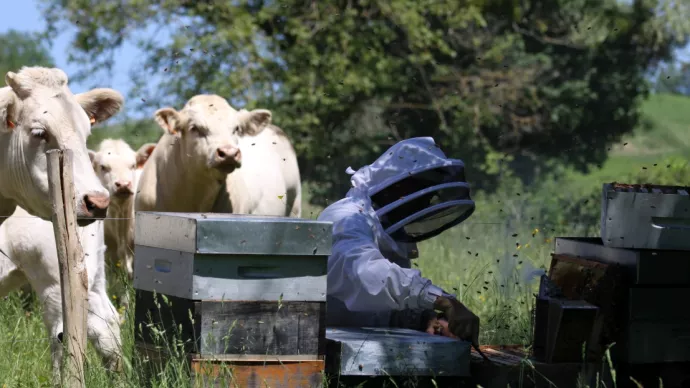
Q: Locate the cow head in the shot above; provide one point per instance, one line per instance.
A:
(209, 130)
(115, 163)
(38, 112)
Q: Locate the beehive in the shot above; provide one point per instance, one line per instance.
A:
(372, 351)
(645, 216)
(244, 290)
(649, 319)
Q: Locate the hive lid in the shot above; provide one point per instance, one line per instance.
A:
(224, 233)
(645, 216)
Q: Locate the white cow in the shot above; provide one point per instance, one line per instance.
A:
(36, 253)
(118, 167)
(269, 181)
(38, 112)
(30, 244)
(197, 165)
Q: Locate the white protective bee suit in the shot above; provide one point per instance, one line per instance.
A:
(369, 276)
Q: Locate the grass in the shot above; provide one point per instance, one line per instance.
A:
(663, 133)
(491, 262)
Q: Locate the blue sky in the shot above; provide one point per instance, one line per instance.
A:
(26, 17)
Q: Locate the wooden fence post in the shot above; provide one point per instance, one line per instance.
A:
(73, 275)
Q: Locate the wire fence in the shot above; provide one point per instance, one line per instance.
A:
(229, 215)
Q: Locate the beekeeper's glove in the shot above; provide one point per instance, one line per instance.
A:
(462, 322)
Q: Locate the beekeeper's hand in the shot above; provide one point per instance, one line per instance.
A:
(461, 321)
(439, 326)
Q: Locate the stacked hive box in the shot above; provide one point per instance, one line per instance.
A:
(371, 351)
(637, 274)
(647, 323)
(246, 293)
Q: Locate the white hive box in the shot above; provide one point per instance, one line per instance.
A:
(201, 256)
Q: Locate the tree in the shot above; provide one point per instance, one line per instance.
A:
(536, 81)
(135, 132)
(19, 49)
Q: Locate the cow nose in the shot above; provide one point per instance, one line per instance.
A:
(123, 185)
(227, 154)
(96, 205)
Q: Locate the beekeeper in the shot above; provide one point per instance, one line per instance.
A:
(411, 193)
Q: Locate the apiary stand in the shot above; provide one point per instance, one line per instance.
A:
(243, 298)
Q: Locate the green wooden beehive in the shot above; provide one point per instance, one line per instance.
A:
(234, 284)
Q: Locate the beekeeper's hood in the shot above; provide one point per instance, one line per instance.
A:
(416, 191)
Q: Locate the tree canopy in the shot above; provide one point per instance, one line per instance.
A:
(527, 81)
(19, 49)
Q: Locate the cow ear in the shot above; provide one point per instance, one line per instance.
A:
(18, 84)
(255, 121)
(9, 111)
(100, 104)
(92, 156)
(144, 153)
(168, 119)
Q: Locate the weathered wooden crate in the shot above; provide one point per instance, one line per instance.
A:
(645, 216)
(599, 284)
(562, 325)
(213, 328)
(641, 310)
(369, 351)
(570, 326)
(231, 286)
(641, 267)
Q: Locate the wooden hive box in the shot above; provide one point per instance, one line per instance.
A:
(370, 352)
(642, 308)
(645, 216)
(238, 290)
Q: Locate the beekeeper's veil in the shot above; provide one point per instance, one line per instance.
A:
(416, 191)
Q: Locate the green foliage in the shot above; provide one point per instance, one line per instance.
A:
(558, 80)
(134, 132)
(19, 49)
(673, 171)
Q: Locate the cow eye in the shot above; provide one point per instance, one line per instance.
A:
(133, 167)
(194, 128)
(104, 168)
(39, 133)
(236, 130)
